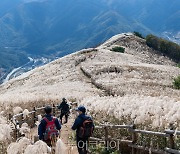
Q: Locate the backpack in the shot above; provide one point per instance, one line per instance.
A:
(86, 129)
(51, 130)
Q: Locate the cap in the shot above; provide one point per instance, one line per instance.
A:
(81, 108)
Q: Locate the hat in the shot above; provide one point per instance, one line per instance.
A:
(81, 108)
(48, 109)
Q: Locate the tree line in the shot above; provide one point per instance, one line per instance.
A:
(167, 48)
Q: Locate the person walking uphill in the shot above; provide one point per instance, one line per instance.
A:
(49, 127)
(64, 107)
(84, 128)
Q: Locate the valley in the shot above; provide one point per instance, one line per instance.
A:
(53, 28)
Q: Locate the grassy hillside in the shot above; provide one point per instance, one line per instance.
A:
(56, 28)
(136, 85)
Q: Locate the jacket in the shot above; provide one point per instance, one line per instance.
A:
(64, 107)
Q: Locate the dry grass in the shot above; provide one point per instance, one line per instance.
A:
(140, 81)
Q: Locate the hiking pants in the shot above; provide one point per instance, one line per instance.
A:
(66, 116)
(82, 145)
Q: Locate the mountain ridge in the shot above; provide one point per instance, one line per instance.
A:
(136, 84)
(137, 52)
(47, 18)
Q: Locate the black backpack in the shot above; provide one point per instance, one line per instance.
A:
(86, 129)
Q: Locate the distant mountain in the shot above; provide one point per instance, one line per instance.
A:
(53, 28)
(10, 60)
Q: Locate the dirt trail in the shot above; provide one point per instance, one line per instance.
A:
(66, 135)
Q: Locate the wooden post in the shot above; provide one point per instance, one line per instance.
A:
(36, 138)
(165, 141)
(106, 138)
(171, 138)
(43, 110)
(134, 139)
(17, 130)
(21, 120)
(34, 116)
(10, 117)
(54, 110)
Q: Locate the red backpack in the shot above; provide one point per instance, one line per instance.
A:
(51, 130)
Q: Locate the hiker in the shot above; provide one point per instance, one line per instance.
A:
(49, 127)
(64, 107)
(84, 127)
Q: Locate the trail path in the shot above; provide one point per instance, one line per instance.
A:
(66, 136)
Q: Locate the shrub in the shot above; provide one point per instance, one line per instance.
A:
(152, 41)
(176, 82)
(138, 34)
(178, 65)
(100, 149)
(118, 49)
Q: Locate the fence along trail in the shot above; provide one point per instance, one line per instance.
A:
(65, 134)
(132, 143)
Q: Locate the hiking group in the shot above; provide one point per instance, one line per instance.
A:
(49, 127)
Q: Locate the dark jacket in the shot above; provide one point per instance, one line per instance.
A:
(79, 122)
(42, 126)
(64, 107)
